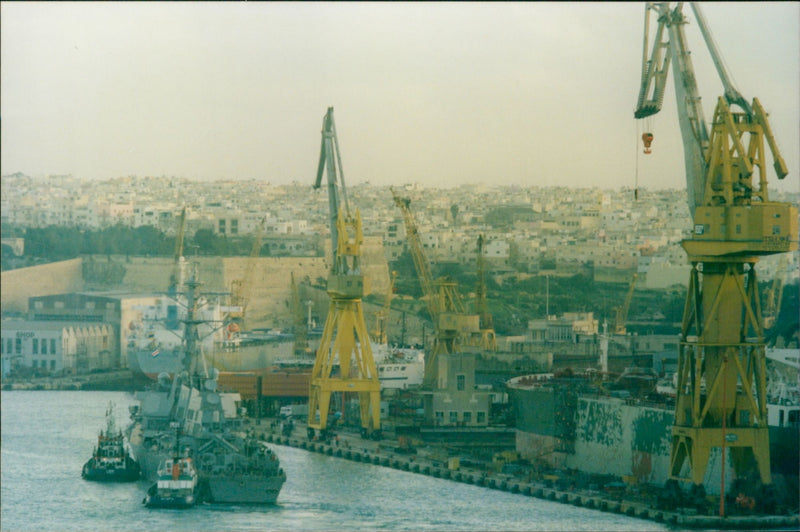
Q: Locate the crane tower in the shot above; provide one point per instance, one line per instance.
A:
(721, 397)
(344, 337)
(453, 326)
(488, 336)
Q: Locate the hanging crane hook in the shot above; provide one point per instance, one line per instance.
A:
(647, 138)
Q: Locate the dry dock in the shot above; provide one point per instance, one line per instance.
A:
(351, 446)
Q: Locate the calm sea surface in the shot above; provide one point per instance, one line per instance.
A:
(47, 436)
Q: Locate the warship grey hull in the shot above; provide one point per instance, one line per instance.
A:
(232, 467)
(244, 489)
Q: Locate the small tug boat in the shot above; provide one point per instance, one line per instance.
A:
(177, 483)
(111, 461)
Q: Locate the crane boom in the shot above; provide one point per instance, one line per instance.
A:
(176, 279)
(330, 157)
(621, 313)
(240, 288)
(418, 255)
(670, 45)
(488, 336)
(453, 326)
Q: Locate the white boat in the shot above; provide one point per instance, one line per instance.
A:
(176, 486)
(399, 368)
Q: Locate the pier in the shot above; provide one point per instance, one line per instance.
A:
(350, 446)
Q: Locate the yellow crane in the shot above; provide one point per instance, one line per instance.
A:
(240, 288)
(772, 307)
(176, 276)
(299, 326)
(453, 326)
(488, 339)
(344, 337)
(721, 399)
(621, 312)
(381, 334)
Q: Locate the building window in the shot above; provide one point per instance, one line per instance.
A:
(18, 346)
(38, 305)
(453, 416)
(52, 346)
(90, 305)
(460, 382)
(776, 229)
(439, 417)
(467, 417)
(222, 227)
(481, 418)
(35, 346)
(53, 365)
(44, 346)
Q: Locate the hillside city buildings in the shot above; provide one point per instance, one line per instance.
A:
(522, 227)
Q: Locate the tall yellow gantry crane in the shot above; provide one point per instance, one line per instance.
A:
(453, 326)
(721, 399)
(486, 322)
(344, 337)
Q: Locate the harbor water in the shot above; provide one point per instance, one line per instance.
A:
(48, 435)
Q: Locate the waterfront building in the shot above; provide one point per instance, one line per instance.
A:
(58, 347)
(456, 400)
(114, 309)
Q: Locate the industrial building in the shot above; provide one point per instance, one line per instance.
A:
(58, 347)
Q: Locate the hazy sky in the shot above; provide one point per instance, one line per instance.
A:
(533, 94)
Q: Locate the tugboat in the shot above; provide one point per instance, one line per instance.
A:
(110, 461)
(176, 486)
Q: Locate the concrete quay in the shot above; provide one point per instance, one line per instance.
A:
(350, 446)
(117, 381)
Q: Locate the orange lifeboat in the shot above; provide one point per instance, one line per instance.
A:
(647, 138)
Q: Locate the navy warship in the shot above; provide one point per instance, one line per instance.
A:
(233, 466)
